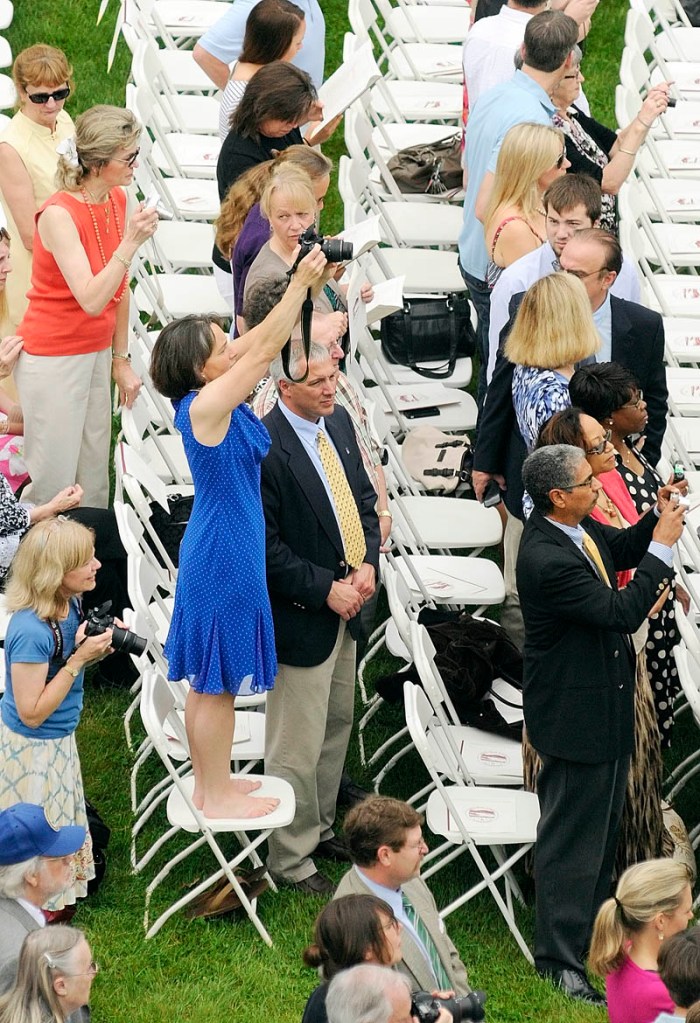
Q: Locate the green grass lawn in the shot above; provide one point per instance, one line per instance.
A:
(221, 971)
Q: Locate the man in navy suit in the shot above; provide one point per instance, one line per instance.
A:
(578, 689)
(322, 551)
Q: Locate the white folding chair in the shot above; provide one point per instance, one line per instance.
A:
(198, 115)
(470, 817)
(401, 59)
(157, 712)
(188, 199)
(175, 153)
(145, 431)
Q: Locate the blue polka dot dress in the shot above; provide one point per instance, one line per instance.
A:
(221, 634)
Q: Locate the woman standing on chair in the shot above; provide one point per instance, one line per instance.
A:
(75, 327)
(221, 633)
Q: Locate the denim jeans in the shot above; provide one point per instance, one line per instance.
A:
(480, 294)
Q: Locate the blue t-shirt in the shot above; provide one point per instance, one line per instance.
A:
(30, 640)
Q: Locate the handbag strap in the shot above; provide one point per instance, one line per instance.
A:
(449, 366)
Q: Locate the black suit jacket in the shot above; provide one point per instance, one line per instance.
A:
(304, 549)
(578, 661)
(637, 344)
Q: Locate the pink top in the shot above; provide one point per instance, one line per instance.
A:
(636, 995)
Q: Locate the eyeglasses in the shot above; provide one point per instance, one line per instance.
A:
(581, 275)
(560, 161)
(636, 403)
(588, 482)
(44, 97)
(128, 160)
(600, 448)
(92, 970)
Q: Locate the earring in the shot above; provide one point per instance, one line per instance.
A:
(661, 936)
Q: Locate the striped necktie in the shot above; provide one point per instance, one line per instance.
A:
(591, 549)
(345, 504)
(443, 981)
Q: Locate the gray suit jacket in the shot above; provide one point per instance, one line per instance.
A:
(413, 963)
(15, 925)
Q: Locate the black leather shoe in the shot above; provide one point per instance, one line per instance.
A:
(575, 984)
(332, 848)
(350, 793)
(314, 884)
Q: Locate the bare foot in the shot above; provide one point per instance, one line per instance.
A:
(242, 786)
(240, 806)
(197, 799)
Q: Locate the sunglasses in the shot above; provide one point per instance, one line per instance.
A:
(600, 448)
(44, 97)
(560, 161)
(128, 160)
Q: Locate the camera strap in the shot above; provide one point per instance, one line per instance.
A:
(57, 639)
(307, 311)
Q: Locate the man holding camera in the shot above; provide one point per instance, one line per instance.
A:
(322, 554)
(385, 843)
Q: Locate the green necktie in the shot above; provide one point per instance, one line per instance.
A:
(443, 981)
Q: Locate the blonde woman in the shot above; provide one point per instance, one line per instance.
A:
(531, 158)
(75, 327)
(46, 653)
(652, 902)
(553, 330)
(241, 229)
(54, 977)
(289, 205)
(43, 79)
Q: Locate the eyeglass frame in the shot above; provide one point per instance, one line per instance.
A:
(42, 98)
(92, 970)
(588, 482)
(600, 448)
(581, 276)
(129, 161)
(634, 404)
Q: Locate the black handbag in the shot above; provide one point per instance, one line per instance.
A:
(429, 330)
(170, 526)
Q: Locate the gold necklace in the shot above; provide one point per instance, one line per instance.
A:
(125, 282)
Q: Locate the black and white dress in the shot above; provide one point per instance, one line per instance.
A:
(663, 632)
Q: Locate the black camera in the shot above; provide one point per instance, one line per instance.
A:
(334, 249)
(426, 1008)
(98, 620)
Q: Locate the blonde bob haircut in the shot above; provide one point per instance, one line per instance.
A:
(292, 183)
(41, 65)
(47, 553)
(554, 325)
(246, 190)
(527, 151)
(99, 133)
(643, 892)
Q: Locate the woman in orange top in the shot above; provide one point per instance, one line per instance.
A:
(75, 327)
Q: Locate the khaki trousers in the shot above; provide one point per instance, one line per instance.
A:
(511, 615)
(308, 720)
(67, 405)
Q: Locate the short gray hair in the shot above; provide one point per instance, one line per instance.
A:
(549, 468)
(12, 877)
(297, 361)
(362, 994)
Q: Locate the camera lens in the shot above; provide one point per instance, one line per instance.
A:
(126, 642)
(336, 250)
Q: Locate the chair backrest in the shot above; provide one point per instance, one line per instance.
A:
(399, 599)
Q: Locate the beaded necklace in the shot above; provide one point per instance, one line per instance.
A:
(125, 282)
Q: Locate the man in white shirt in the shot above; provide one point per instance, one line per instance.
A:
(571, 203)
(487, 55)
(36, 864)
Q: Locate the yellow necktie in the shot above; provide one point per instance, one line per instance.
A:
(591, 549)
(345, 505)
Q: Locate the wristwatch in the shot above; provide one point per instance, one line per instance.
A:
(71, 671)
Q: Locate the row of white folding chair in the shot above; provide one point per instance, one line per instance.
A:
(182, 71)
(669, 245)
(661, 156)
(641, 38)
(160, 718)
(470, 818)
(187, 198)
(679, 121)
(176, 111)
(401, 58)
(670, 293)
(174, 153)
(676, 38)
(177, 23)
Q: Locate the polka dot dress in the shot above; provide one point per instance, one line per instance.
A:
(221, 634)
(663, 632)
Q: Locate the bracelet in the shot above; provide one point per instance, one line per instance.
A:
(124, 262)
(121, 355)
(384, 514)
(629, 152)
(647, 126)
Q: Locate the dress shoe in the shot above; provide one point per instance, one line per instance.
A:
(315, 884)
(575, 984)
(332, 848)
(350, 793)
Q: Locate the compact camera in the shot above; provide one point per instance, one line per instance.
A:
(677, 498)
